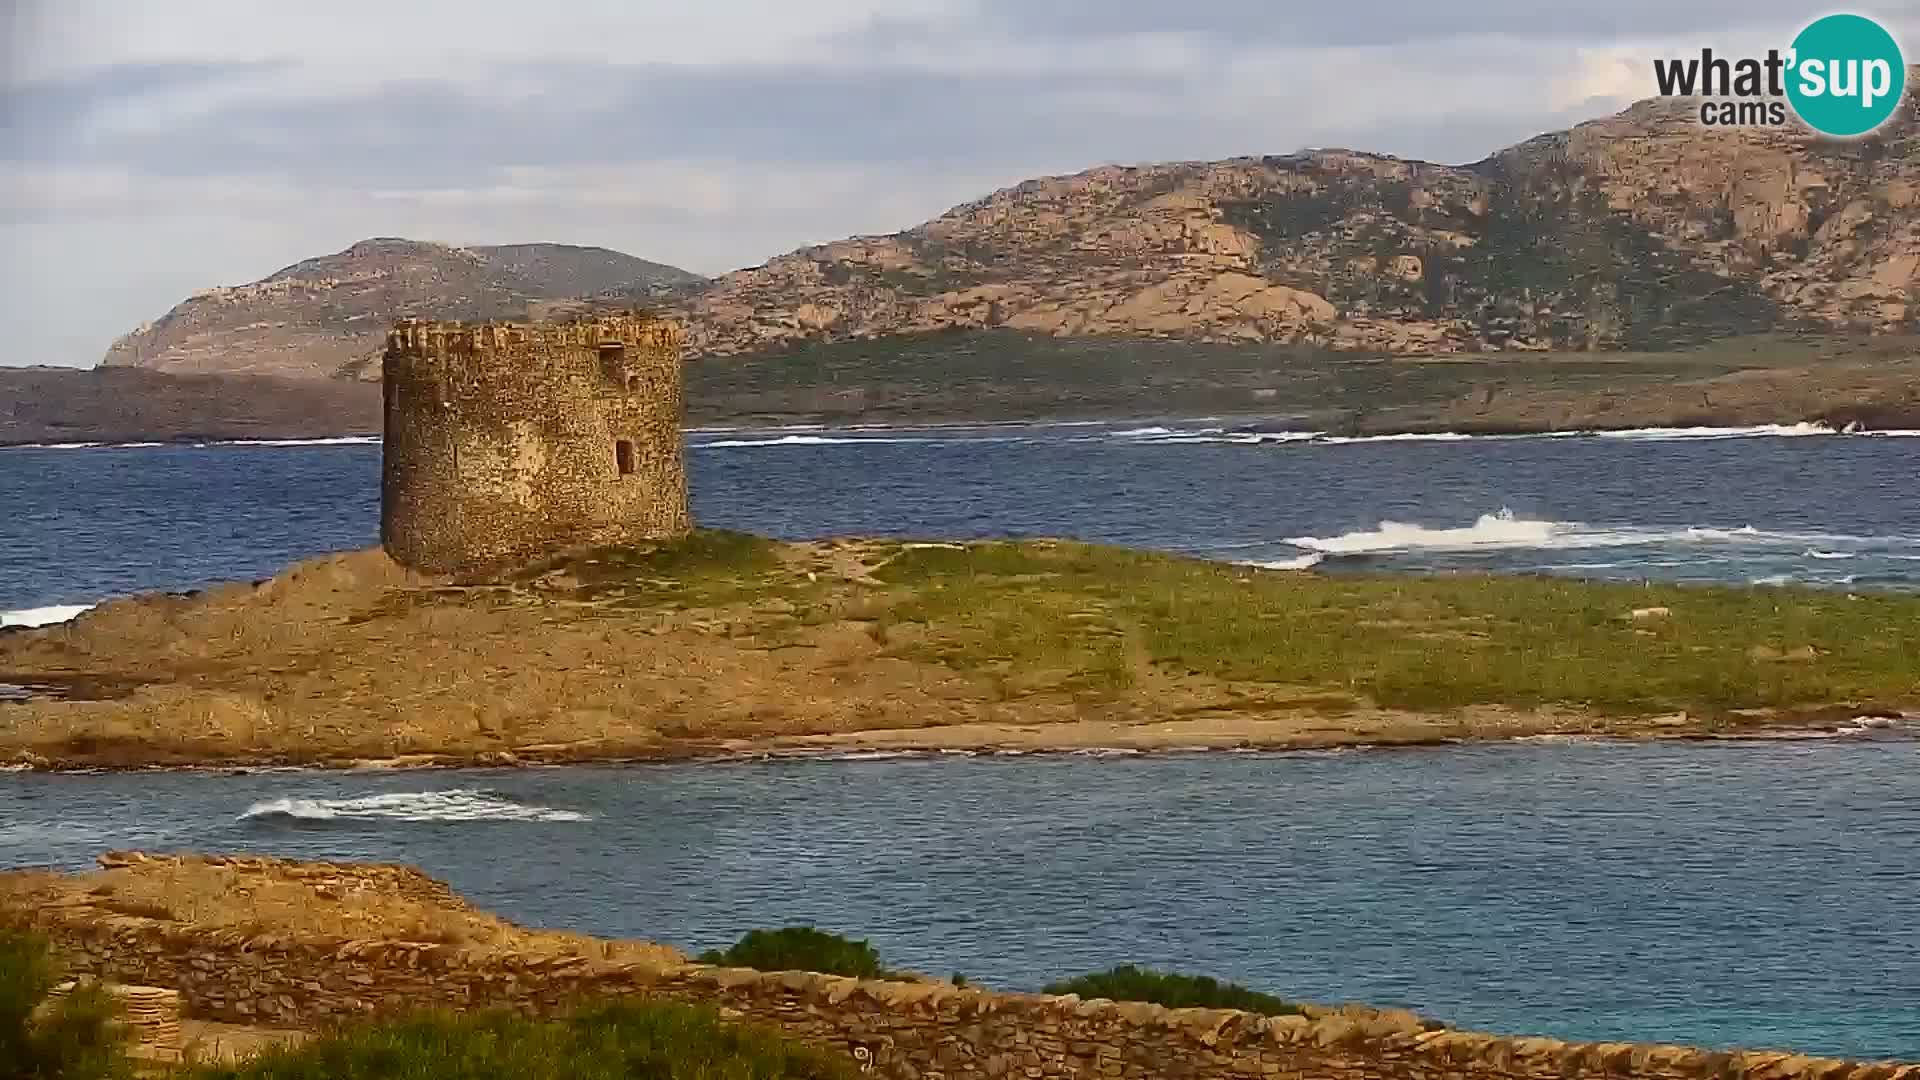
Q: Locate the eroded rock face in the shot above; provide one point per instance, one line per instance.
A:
(1640, 230)
(1827, 230)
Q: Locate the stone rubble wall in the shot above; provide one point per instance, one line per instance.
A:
(921, 1031)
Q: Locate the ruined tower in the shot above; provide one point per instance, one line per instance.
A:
(508, 441)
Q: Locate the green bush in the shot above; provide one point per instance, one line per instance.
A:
(613, 1041)
(1129, 983)
(73, 1040)
(800, 948)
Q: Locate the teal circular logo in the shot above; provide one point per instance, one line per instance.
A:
(1847, 75)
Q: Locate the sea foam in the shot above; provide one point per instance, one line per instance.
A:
(455, 805)
(1506, 530)
(42, 616)
(1756, 431)
(334, 440)
(1162, 434)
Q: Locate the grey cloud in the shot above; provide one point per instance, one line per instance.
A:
(437, 133)
(433, 134)
(49, 116)
(1386, 22)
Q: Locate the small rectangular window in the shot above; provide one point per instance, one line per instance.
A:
(613, 362)
(623, 456)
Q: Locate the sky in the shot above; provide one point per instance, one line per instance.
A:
(148, 151)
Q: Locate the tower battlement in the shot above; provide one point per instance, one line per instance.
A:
(509, 441)
(427, 340)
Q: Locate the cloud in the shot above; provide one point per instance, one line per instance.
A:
(1399, 22)
(215, 141)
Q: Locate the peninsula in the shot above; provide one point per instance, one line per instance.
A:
(724, 643)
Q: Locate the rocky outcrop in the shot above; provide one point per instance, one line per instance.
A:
(329, 316)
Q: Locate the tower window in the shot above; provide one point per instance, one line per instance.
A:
(613, 361)
(623, 456)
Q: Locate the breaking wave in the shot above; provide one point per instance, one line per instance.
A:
(42, 616)
(1505, 530)
(335, 440)
(814, 440)
(930, 434)
(459, 804)
(332, 440)
(1163, 434)
(1757, 431)
(1299, 562)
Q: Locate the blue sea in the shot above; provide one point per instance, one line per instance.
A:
(1771, 505)
(1762, 893)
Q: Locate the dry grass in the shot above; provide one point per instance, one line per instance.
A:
(323, 901)
(616, 653)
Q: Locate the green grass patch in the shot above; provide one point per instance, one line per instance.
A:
(1404, 641)
(709, 566)
(613, 1041)
(799, 948)
(1129, 983)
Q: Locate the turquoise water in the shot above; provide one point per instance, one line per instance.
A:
(1761, 894)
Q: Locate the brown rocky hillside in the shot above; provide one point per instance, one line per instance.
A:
(328, 316)
(1642, 231)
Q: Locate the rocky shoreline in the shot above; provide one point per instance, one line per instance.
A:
(988, 378)
(884, 747)
(300, 946)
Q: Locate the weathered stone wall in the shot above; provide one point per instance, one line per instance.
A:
(897, 1029)
(504, 441)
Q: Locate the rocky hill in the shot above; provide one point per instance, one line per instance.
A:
(327, 316)
(1644, 230)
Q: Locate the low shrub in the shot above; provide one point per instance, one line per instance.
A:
(800, 948)
(74, 1039)
(613, 1041)
(1129, 983)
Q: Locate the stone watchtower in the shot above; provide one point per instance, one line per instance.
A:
(509, 441)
